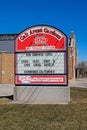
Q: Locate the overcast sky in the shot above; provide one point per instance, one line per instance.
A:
(66, 15)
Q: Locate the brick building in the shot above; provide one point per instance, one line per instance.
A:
(6, 68)
(7, 58)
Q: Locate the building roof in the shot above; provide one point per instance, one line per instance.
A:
(6, 37)
(7, 42)
(80, 67)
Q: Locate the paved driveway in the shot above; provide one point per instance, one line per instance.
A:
(81, 82)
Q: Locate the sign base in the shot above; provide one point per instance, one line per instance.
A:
(41, 95)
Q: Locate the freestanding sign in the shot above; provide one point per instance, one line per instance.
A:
(41, 74)
(41, 56)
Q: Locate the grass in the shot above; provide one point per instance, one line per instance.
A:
(46, 117)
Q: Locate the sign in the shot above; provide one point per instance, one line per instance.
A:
(41, 56)
(40, 38)
(40, 63)
(48, 79)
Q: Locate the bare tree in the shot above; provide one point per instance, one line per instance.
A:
(83, 71)
(82, 63)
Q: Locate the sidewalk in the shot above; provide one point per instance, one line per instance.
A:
(6, 90)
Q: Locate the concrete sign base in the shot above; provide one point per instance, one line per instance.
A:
(41, 95)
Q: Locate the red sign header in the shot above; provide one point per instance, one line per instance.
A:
(40, 38)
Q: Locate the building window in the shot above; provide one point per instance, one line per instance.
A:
(70, 42)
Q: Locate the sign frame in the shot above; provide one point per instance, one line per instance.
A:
(39, 83)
